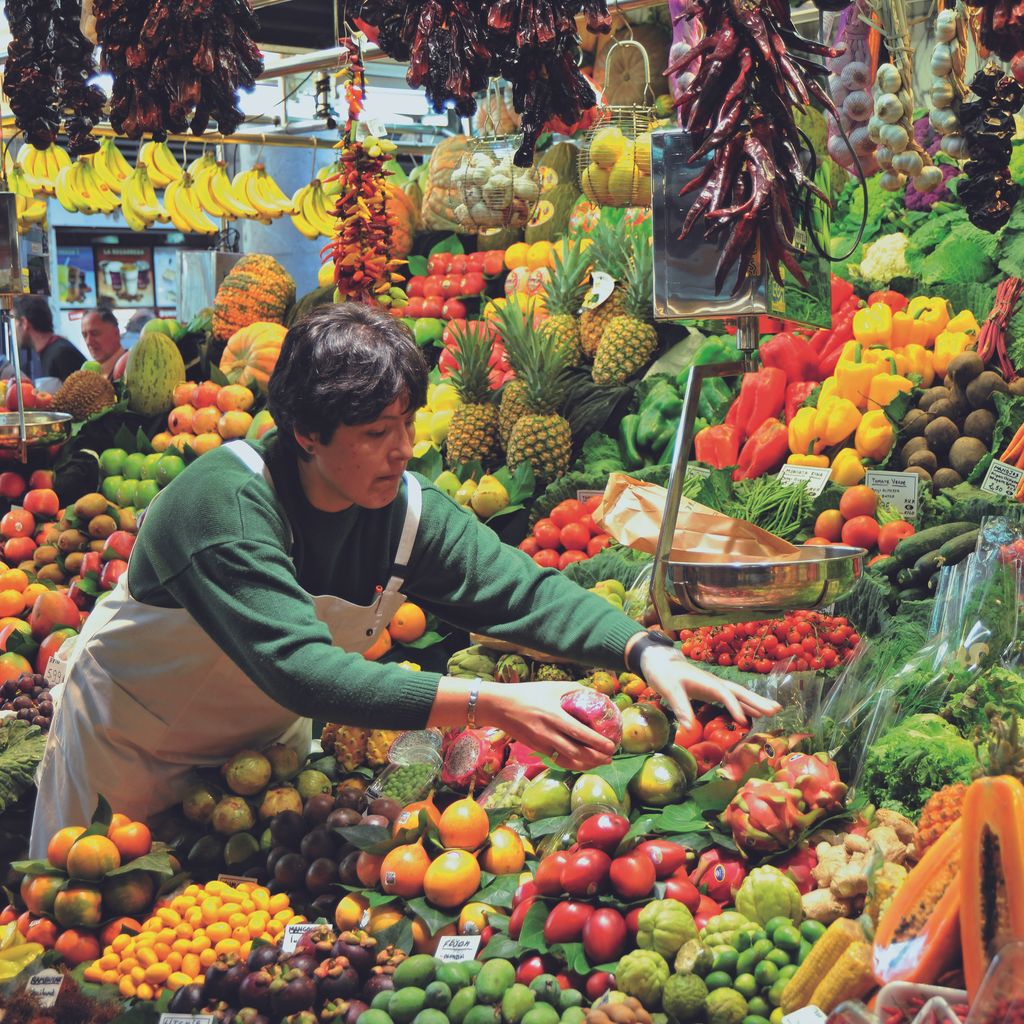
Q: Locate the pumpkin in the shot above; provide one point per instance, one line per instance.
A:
(257, 289)
(403, 218)
(917, 937)
(991, 874)
(252, 352)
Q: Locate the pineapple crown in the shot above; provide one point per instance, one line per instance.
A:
(539, 367)
(564, 292)
(472, 376)
(1005, 753)
(514, 325)
(639, 278)
(610, 249)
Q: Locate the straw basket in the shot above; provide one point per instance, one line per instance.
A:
(615, 158)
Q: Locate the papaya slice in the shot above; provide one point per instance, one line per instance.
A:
(918, 936)
(992, 873)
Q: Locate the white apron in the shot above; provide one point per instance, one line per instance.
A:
(150, 696)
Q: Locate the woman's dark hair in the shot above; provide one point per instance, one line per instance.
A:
(343, 364)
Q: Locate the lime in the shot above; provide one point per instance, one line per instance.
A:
(776, 922)
(149, 466)
(168, 468)
(126, 493)
(779, 957)
(763, 947)
(747, 961)
(427, 330)
(718, 979)
(787, 938)
(755, 1018)
(109, 487)
(726, 961)
(759, 1006)
(112, 461)
(804, 951)
(812, 930)
(746, 985)
(775, 994)
(145, 492)
(92, 366)
(132, 469)
(766, 974)
(787, 972)
(777, 1015)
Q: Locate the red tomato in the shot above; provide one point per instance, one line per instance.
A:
(687, 736)
(858, 501)
(433, 306)
(590, 505)
(861, 532)
(829, 524)
(433, 287)
(459, 264)
(473, 283)
(414, 286)
(414, 307)
(547, 559)
(475, 261)
(891, 534)
(547, 533)
(568, 557)
(439, 262)
(632, 876)
(575, 537)
(598, 543)
(453, 309)
(451, 286)
(566, 512)
(587, 520)
(708, 755)
(723, 732)
(818, 541)
(679, 887)
(530, 546)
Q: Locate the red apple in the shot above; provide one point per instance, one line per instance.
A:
(515, 922)
(41, 478)
(680, 888)
(119, 545)
(532, 967)
(597, 984)
(51, 611)
(12, 486)
(92, 565)
(28, 394)
(112, 572)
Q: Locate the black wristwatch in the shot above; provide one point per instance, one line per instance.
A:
(652, 638)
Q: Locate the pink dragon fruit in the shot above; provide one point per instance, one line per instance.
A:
(758, 747)
(595, 710)
(719, 875)
(522, 753)
(799, 864)
(473, 757)
(765, 816)
(816, 778)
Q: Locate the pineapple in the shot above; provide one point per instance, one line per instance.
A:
(473, 431)
(512, 321)
(939, 812)
(609, 254)
(347, 743)
(540, 437)
(629, 340)
(564, 294)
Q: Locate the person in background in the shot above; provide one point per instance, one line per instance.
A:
(42, 353)
(102, 337)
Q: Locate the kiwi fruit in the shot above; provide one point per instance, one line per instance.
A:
(922, 473)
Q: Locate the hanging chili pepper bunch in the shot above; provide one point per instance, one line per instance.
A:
(1002, 32)
(361, 247)
(751, 73)
(49, 64)
(453, 46)
(177, 66)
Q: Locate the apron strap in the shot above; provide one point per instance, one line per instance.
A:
(413, 507)
(250, 458)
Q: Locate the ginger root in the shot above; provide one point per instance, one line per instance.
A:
(821, 905)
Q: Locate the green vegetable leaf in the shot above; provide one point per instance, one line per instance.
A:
(434, 918)
(399, 935)
(430, 464)
(573, 955)
(501, 947)
(548, 826)
(418, 266)
(619, 772)
(156, 861)
(499, 893)
(532, 934)
(451, 244)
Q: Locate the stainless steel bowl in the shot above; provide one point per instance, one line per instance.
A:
(815, 576)
(42, 429)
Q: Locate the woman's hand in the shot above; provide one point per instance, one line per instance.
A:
(679, 681)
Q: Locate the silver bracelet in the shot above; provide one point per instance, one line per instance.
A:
(474, 696)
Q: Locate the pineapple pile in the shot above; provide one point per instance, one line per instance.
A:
(473, 430)
(629, 341)
(353, 747)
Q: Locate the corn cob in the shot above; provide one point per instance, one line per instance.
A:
(850, 977)
(824, 955)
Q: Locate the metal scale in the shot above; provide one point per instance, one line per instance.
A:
(686, 594)
(25, 430)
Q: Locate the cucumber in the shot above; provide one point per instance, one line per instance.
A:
(913, 594)
(888, 567)
(922, 570)
(956, 550)
(910, 549)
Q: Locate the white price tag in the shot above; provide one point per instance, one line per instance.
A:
(377, 128)
(814, 478)
(896, 489)
(453, 949)
(695, 469)
(601, 287)
(237, 879)
(808, 1015)
(185, 1018)
(57, 666)
(1002, 478)
(582, 496)
(292, 934)
(45, 986)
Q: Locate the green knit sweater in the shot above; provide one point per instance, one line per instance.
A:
(215, 543)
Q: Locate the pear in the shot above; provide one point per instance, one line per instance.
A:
(448, 482)
(592, 789)
(545, 797)
(489, 498)
(465, 492)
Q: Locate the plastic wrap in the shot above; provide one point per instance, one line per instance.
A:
(412, 770)
(1000, 999)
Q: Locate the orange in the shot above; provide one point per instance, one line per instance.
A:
(130, 893)
(204, 395)
(14, 579)
(179, 441)
(115, 927)
(162, 441)
(76, 947)
(205, 419)
(539, 255)
(41, 930)
(407, 824)
(505, 854)
(39, 891)
(19, 626)
(234, 423)
(79, 906)
(42, 502)
(368, 868)
(60, 845)
(92, 857)
(235, 397)
(12, 602)
(117, 819)
(379, 648)
(32, 591)
(183, 393)
(383, 918)
(515, 255)
(409, 623)
(19, 549)
(464, 825)
(18, 523)
(350, 912)
(452, 878)
(132, 838)
(403, 869)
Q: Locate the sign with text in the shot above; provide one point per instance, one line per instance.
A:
(453, 949)
(814, 478)
(185, 1018)
(292, 934)
(896, 489)
(1002, 478)
(45, 986)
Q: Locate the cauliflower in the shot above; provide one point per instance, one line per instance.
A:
(885, 259)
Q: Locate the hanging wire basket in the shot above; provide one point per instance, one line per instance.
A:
(615, 157)
(494, 192)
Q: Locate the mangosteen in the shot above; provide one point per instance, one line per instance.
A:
(248, 1015)
(318, 843)
(262, 956)
(337, 979)
(287, 829)
(356, 1008)
(188, 999)
(377, 982)
(321, 876)
(291, 869)
(317, 942)
(275, 854)
(292, 991)
(347, 869)
(274, 887)
(386, 807)
(359, 949)
(255, 990)
(318, 807)
(223, 977)
(343, 817)
(375, 819)
(326, 905)
(302, 1017)
(349, 796)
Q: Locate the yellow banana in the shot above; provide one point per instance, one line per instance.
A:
(205, 170)
(150, 198)
(138, 207)
(111, 166)
(156, 176)
(244, 187)
(190, 208)
(165, 162)
(316, 211)
(302, 225)
(178, 219)
(271, 191)
(60, 156)
(220, 188)
(105, 197)
(33, 163)
(64, 189)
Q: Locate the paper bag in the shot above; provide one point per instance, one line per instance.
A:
(631, 512)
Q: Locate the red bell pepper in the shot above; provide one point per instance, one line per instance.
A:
(762, 397)
(841, 291)
(718, 446)
(792, 355)
(842, 332)
(896, 302)
(796, 394)
(766, 450)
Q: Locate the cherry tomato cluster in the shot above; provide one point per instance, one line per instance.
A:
(568, 535)
(812, 640)
(501, 369)
(855, 523)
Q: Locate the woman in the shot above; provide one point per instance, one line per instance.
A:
(264, 570)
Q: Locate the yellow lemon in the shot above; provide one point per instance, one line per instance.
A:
(642, 152)
(445, 397)
(439, 424)
(595, 183)
(623, 183)
(419, 449)
(606, 147)
(538, 255)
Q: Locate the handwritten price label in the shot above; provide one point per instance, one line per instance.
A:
(45, 987)
(896, 489)
(453, 949)
(814, 478)
(1002, 478)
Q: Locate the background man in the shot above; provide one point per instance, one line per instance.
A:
(102, 337)
(42, 353)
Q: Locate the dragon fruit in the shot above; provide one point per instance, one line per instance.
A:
(473, 757)
(719, 875)
(765, 816)
(816, 778)
(758, 747)
(523, 753)
(594, 710)
(798, 865)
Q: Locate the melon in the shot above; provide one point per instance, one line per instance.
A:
(551, 218)
(154, 369)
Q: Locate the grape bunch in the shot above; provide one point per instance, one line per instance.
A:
(28, 697)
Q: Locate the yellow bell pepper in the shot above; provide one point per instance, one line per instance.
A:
(847, 468)
(802, 437)
(875, 435)
(873, 326)
(919, 361)
(948, 345)
(854, 375)
(963, 321)
(933, 313)
(835, 420)
(829, 389)
(908, 331)
(821, 461)
(886, 386)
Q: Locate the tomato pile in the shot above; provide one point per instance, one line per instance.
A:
(856, 523)
(568, 535)
(451, 278)
(812, 640)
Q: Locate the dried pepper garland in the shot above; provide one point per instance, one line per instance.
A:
(1002, 32)
(176, 66)
(748, 78)
(361, 247)
(49, 63)
(453, 46)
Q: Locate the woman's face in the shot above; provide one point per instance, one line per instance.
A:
(363, 464)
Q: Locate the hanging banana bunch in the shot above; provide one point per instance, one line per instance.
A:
(161, 164)
(41, 167)
(31, 210)
(139, 202)
(79, 189)
(111, 167)
(181, 198)
(262, 193)
(311, 215)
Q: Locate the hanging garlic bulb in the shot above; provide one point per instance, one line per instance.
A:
(947, 67)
